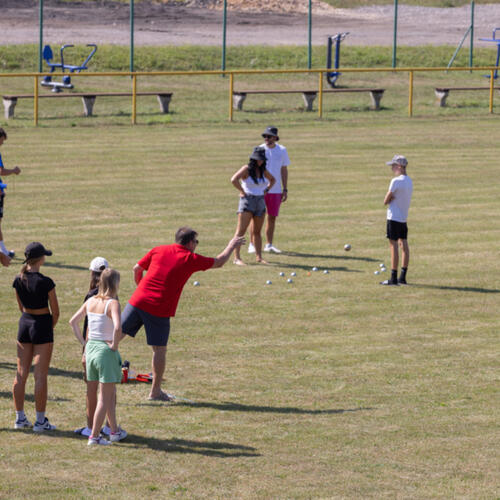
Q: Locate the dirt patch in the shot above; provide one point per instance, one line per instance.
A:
(250, 22)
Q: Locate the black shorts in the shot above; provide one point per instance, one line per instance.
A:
(35, 329)
(397, 230)
(2, 196)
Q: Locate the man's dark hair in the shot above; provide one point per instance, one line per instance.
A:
(3, 133)
(185, 235)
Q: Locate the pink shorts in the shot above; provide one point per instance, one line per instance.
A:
(273, 202)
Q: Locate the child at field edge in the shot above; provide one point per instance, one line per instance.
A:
(103, 361)
(37, 300)
(5, 171)
(96, 267)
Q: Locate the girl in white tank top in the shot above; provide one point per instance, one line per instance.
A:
(100, 326)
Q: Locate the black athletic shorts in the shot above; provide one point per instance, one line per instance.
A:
(2, 196)
(35, 329)
(397, 230)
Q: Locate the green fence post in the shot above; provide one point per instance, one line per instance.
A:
(131, 35)
(471, 50)
(395, 36)
(40, 39)
(309, 49)
(224, 30)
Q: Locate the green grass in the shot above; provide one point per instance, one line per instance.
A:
(24, 58)
(332, 387)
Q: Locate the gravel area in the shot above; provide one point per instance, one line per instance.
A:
(271, 22)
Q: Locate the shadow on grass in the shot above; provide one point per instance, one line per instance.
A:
(57, 372)
(59, 265)
(308, 268)
(230, 406)
(472, 289)
(31, 397)
(329, 256)
(215, 449)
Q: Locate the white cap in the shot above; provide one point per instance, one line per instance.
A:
(398, 160)
(98, 264)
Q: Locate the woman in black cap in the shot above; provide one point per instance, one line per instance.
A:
(253, 181)
(37, 300)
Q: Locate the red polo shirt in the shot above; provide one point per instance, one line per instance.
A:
(168, 268)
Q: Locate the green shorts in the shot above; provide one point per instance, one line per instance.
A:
(103, 364)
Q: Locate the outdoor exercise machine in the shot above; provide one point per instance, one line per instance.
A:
(48, 55)
(496, 40)
(332, 76)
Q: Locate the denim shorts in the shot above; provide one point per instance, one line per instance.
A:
(254, 204)
(157, 328)
(102, 363)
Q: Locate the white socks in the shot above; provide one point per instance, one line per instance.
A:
(20, 416)
(40, 417)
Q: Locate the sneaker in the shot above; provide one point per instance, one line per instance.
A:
(11, 254)
(402, 281)
(22, 424)
(251, 248)
(83, 431)
(118, 436)
(271, 248)
(42, 427)
(389, 282)
(105, 430)
(97, 441)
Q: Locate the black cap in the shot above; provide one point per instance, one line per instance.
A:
(35, 250)
(271, 131)
(259, 153)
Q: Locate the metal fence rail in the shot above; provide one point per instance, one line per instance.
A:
(233, 73)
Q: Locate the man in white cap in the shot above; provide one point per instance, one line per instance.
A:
(398, 198)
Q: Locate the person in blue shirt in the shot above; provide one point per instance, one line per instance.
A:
(5, 171)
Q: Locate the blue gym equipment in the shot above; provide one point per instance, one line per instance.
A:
(2, 187)
(496, 40)
(48, 55)
(332, 76)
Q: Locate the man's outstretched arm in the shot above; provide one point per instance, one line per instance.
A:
(223, 257)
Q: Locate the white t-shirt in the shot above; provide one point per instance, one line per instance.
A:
(401, 187)
(276, 157)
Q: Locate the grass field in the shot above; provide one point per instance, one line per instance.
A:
(332, 387)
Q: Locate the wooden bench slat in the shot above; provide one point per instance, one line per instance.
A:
(309, 96)
(88, 99)
(442, 92)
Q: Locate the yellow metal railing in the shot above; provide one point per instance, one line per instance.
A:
(233, 73)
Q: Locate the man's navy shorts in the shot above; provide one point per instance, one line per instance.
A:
(397, 230)
(157, 328)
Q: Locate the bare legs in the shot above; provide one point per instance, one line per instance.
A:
(39, 355)
(271, 224)
(246, 219)
(105, 406)
(405, 255)
(158, 364)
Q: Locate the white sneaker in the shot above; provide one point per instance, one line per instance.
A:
(46, 426)
(84, 431)
(106, 430)
(118, 436)
(251, 248)
(271, 248)
(22, 424)
(97, 441)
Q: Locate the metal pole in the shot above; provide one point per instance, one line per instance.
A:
(309, 46)
(320, 99)
(410, 96)
(224, 30)
(471, 50)
(134, 99)
(492, 83)
(35, 101)
(40, 38)
(395, 35)
(131, 35)
(231, 88)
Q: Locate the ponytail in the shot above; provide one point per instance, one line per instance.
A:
(24, 268)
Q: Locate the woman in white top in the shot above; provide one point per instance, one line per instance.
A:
(253, 181)
(103, 362)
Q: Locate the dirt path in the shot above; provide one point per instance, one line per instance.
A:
(168, 24)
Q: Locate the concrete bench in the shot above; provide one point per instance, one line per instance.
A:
(88, 99)
(308, 95)
(443, 93)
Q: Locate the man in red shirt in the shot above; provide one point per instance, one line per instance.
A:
(157, 294)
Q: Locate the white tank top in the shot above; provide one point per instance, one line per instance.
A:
(100, 325)
(254, 188)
